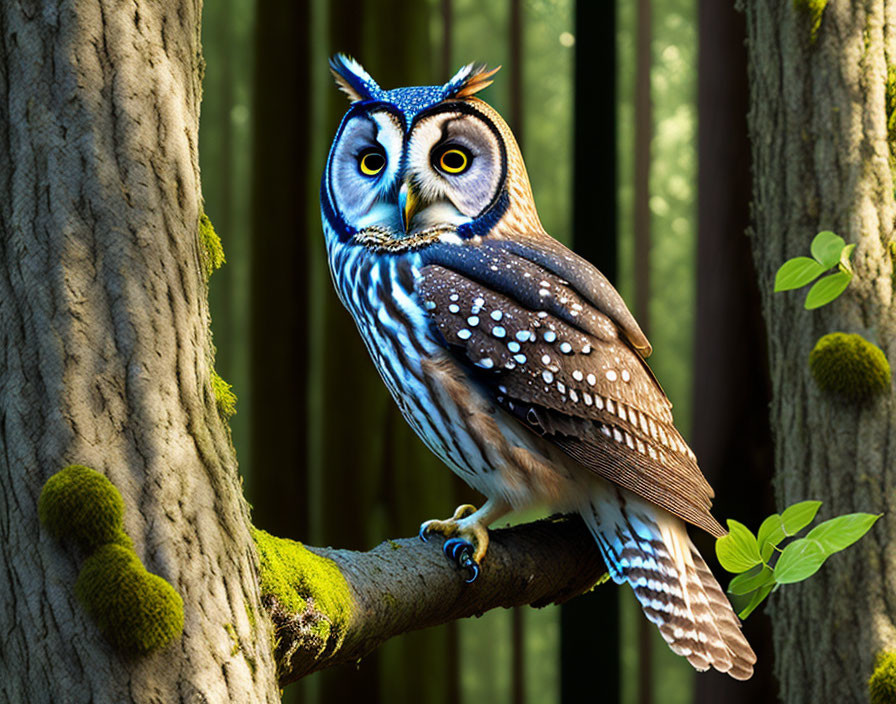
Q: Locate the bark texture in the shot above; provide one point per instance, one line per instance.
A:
(105, 356)
(818, 125)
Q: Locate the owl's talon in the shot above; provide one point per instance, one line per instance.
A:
(474, 572)
(461, 552)
(466, 534)
(458, 550)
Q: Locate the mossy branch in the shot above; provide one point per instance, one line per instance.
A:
(405, 585)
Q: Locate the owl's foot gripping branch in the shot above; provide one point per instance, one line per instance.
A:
(467, 534)
(335, 606)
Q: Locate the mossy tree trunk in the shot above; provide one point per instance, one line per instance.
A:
(105, 357)
(821, 160)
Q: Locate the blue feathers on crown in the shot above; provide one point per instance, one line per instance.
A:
(358, 85)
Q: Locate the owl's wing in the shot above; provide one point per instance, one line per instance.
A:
(547, 336)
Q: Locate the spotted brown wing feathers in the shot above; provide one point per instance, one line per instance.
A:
(570, 378)
(590, 283)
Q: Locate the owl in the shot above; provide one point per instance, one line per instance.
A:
(514, 359)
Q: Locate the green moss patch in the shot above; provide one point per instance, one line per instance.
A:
(882, 685)
(891, 115)
(82, 504)
(225, 399)
(813, 10)
(294, 574)
(306, 595)
(136, 611)
(211, 249)
(849, 367)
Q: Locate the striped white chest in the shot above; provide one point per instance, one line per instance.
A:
(378, 292)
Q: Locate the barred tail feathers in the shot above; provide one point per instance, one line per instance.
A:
(650, 549)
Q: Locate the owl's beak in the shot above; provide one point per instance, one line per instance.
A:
(408, 204)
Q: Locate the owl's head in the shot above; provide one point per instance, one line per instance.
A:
(423, 159)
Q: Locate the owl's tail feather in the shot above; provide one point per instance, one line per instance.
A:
(650, 549)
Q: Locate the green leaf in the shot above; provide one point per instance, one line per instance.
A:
(826, 248)
(757, 599)
(759, 576)
(738, 551)
(771, 532)
(779, 526)
(799, 560)
(797, 272)
(827, 289)
(841, 532)
(798, 516)
(845, 255)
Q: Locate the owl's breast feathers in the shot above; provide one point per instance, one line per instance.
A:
(550, 341)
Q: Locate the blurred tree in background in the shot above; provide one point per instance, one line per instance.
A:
(325, 454)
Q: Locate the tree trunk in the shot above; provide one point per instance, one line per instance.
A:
(279, 274)
(584, 658)
(730, 433)
(818, 125)
(106, 358)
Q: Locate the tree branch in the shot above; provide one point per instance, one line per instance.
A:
(404, 585)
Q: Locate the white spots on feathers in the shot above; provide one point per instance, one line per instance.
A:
(534, 356)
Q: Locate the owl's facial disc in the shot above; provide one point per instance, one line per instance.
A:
(455, 169)
(364, 170)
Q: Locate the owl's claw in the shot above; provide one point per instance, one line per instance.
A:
(461, 553)
(466, 533)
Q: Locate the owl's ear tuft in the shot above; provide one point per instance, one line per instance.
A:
(471, 79)
(352, 79)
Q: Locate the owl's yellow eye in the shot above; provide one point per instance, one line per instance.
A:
(371, 162)
(454, 160)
